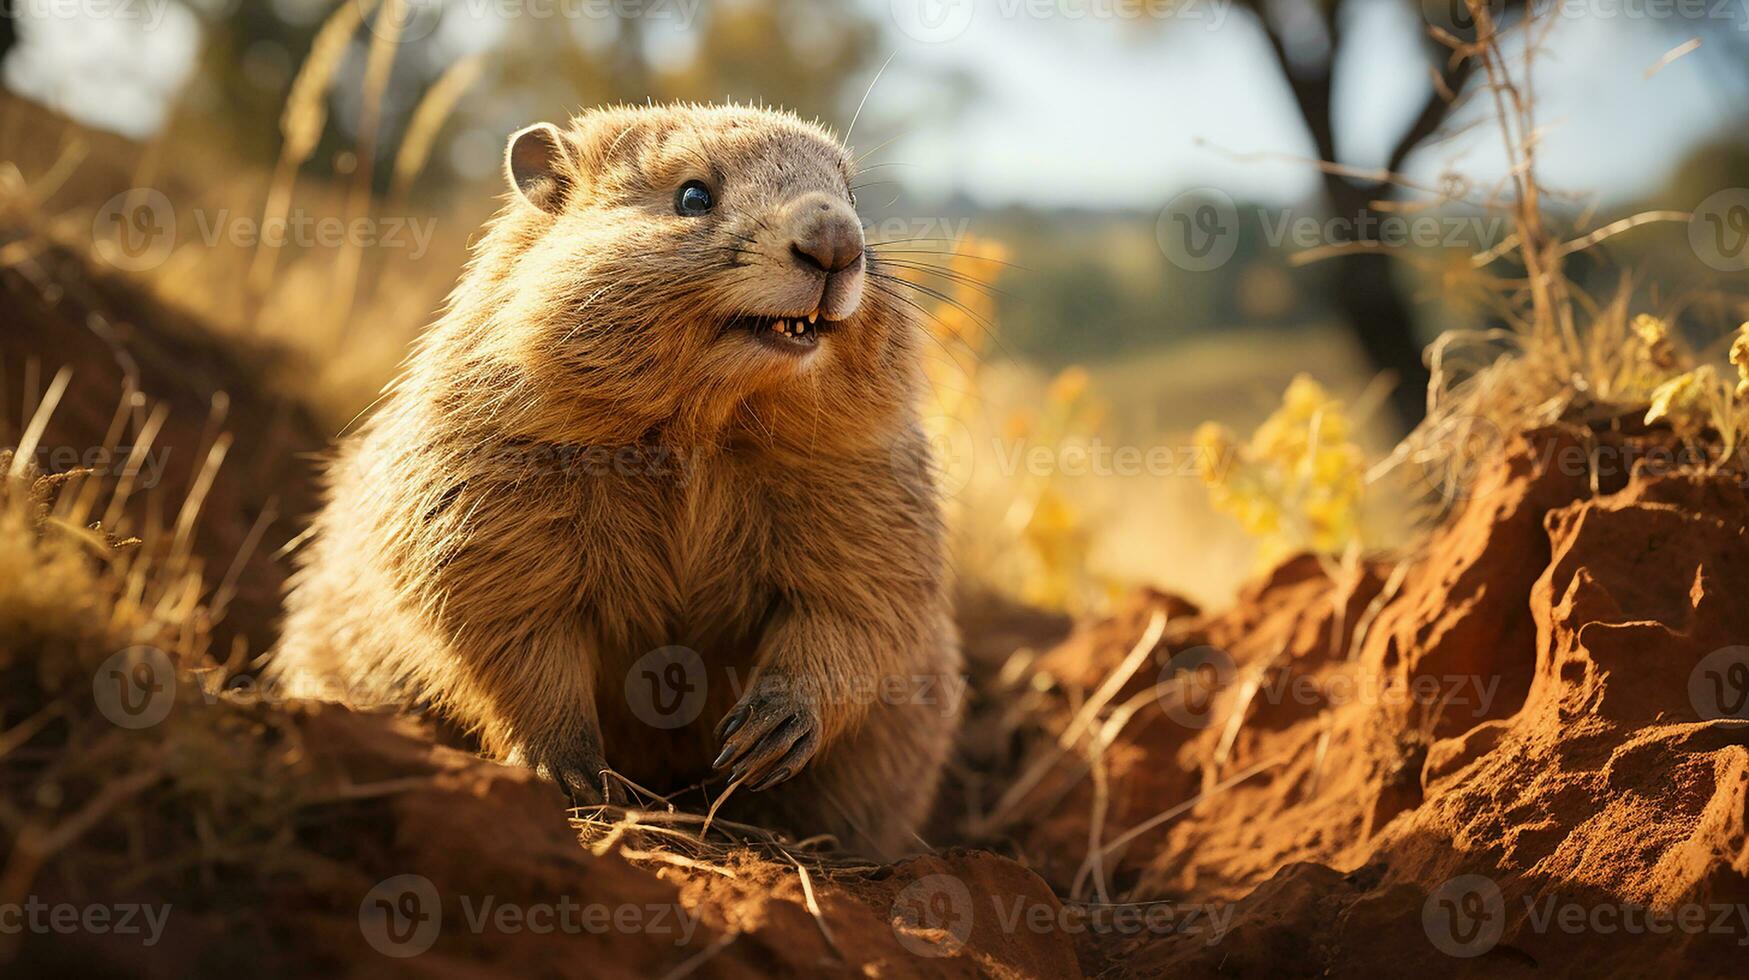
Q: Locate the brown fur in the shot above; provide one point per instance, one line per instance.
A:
(580, 465)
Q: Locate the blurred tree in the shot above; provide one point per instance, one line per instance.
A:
(1308, 40)
(541, 62)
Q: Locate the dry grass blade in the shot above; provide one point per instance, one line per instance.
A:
(717, 804)
(428, 118)
(1071, 735)
(39, 423)
(379, 64)
(1680, 51)
(813, 905)
(690, 965)
(124, 487)
(1617, 227)
(1166, 815)
(1114, 682)
(1108, 733)
(677, 860)
(301, 124)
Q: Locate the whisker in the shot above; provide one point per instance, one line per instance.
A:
(939, 296)
(933, 335)
(884, 251)
(856, 162)
(951, 275)
(866, 93)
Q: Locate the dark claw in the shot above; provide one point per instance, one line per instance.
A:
(768, 737)
(730, 723)
(728, 750)
(773, 779)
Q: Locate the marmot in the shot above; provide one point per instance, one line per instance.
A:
(661, 447)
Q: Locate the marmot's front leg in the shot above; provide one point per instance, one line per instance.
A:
(862, 576)
(847, 726)
(772, 732)
(539, 698)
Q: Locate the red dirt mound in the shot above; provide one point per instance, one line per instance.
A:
(1525, 755)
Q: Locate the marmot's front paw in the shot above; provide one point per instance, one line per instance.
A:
(583, 787)
(578, 773)
(769, 736)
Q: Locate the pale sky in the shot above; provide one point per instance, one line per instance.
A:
(1107, 113)
(1096, 110)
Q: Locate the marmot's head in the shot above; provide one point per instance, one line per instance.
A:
(700, 268)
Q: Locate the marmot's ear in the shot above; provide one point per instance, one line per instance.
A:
(540, 166)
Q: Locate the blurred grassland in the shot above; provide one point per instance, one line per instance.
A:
(1065, 538)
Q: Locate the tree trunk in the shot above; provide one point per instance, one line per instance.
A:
(1368, 295)
(8, 32)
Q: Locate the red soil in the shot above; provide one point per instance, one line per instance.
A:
(1494, 763)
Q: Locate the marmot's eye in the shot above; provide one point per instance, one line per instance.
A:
(693, 199)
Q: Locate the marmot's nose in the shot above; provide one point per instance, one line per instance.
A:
(824, 233)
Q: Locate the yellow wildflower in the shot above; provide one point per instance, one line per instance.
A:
(1298, 483)
(1683, 401)
(1740, 357)
(1654, 337)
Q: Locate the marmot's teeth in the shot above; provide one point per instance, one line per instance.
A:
(811, 317)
